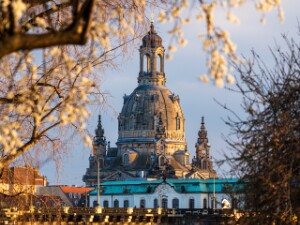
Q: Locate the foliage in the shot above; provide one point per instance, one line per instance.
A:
(43, 92)
(266, 143)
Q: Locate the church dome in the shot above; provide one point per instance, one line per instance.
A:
(152, 39)
(151, 120)
(149, 107)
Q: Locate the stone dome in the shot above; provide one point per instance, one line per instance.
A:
(148, 107)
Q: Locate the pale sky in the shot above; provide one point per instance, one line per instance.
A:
(196, 98)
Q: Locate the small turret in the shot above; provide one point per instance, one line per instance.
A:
(99, 138)
(100, 142)
(202, 145)
(202, 160)
(152, 59)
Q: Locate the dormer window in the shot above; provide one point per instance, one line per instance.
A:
(162, 161)
(125, 160)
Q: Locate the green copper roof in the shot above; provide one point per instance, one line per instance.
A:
(179, 185)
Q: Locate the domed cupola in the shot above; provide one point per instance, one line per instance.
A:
(152, 60)
(152, 39)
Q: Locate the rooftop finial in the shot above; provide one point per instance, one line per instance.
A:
(202, 132)
(202, 124)
(152, 18)
(152, 23)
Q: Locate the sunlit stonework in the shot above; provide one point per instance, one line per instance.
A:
(151, 142)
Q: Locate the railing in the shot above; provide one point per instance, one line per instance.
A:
(107, 214)
(95, 210)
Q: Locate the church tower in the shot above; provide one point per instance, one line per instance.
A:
(97, 159)
(152, 60)
(202, 161)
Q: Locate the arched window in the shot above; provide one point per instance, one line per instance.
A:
(164, 203)
(132, 122)
(155, 203)
(116, 203)
(142, 203)
(175, 203)
(105, 204)
(95, 203)
(147, 63)
(187, 160)
(76, 203)
(126, 159)
(204, 164)
(191, 203)
(126, 203)
(177, 122)
(159, 63)
(162, 161)
(204, 203)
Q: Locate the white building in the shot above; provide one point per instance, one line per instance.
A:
(170, 193)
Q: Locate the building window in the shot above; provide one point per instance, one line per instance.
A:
(95, 203)
(164, 203)
(105, 204)
(126, 159)
(126, 203)
(146, 63)
(191, 203)
(161, 161)
(204, 203)
(116, 203)
(213, 203)
(205, 165)
(177, 122)
(142, 203)
(70, 195)
(175, 203)
(159, 63)
(155, 203)
(76, 203)
(187, 160)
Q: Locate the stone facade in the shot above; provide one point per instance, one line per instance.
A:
(151, 140)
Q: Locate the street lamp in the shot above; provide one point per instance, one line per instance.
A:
(98, 178)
